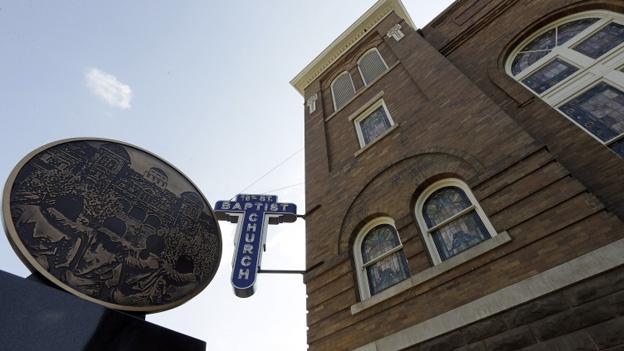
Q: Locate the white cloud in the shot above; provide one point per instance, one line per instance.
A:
(109, 88)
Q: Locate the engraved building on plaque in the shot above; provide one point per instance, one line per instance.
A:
(113, 224)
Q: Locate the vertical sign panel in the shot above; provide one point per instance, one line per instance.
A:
(252, 213)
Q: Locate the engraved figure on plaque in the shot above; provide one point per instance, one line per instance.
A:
(113, 224)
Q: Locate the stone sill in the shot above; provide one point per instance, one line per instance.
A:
(383, 135)
(362, 91)
(432, 272)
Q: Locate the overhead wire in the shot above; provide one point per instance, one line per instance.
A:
(269, 172)
(282, 188)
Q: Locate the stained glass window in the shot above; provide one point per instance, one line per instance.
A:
(618, 147)
(585, 67)
(452, 221)
(525, 59)
(600, 110)
(459, 235)
(383, 258)
(444, 204)
(549, 75)
(602, 41)
(546, 42)
(378, 241)
(569, 30)
(374, 125)
(387, 272)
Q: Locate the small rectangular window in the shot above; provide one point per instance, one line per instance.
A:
(373, 123)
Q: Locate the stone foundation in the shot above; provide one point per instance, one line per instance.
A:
(585, 316)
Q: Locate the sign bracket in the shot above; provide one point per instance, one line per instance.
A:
(280, 271)
(287, 271)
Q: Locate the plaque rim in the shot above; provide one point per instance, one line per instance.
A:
(29, 261)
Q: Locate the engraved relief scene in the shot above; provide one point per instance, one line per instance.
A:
(115, 223)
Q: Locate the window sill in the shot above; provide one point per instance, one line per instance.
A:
(362, 91)
(432, 272)
(383, 135)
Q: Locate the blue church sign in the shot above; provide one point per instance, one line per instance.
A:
(253, 213)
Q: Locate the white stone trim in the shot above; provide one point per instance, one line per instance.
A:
(366, 106)
(311, 103)
(348, 39)
(425, 230)
(395, 32)
(593, 263)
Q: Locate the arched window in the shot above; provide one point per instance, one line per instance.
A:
(451, 219)
(371, 66)
(379, 257)
(576, 65)
(342, 89)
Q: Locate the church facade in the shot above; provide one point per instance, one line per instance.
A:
(465, 180)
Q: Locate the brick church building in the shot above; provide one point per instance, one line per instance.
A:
(465, 180)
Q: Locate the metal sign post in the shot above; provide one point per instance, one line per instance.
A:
(257, 212)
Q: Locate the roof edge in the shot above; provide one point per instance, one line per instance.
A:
(380, 10)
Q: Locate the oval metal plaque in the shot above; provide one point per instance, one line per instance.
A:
(111, 223)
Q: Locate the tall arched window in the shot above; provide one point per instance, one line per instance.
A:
(371, 66)
(379, 257)
(576, 65)
(451, 219)
(342, 89)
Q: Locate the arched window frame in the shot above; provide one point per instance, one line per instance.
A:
(361, 266)
(426, 230)
(336, 107)
(360, 68)
(607, 68)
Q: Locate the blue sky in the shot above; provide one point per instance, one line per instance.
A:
(205, 86)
